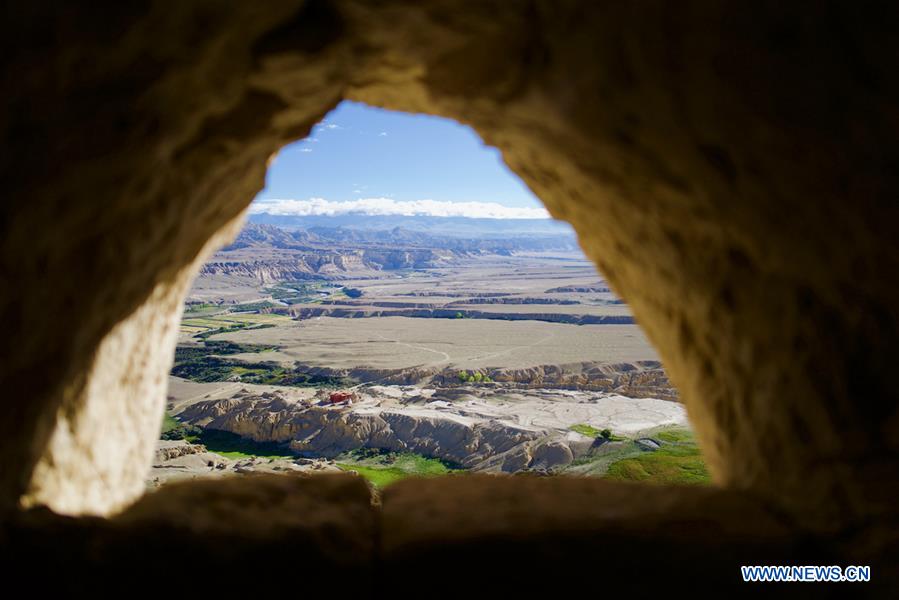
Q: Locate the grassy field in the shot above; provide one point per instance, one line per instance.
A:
(678, 461)
(209, 367)
(169, 423)
(293, 292)
(669, 465)
(207, 320)
(590, 431)
(194, 310)
(676, 435)
(384, 468)
(236, 447)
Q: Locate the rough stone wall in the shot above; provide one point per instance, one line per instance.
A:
(108, 424)
(731, 169)
(731, 183)
(128, 143)
(472, 536)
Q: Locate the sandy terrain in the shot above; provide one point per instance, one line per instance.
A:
(487, 428)
(183, 393)
(560, 409)
(544, 409)
(180, 460)
(522, 275)
(399, 342)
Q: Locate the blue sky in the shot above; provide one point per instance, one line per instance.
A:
(377, 158)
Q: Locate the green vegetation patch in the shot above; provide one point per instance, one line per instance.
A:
(473, 377)
(234, 446)
(668, 465)
(221, 442)
(382, 468)
(169, 423)
(206, 322)
(191, 329)
(678, 461)
(205, 364)
(675, 436)
(232, 328)
(201, 309)
(299, 292)
(228, 322)
(198, 307)
(252, 306)
(218, 347)
(591, 431)
(207, 369)
(173, 429)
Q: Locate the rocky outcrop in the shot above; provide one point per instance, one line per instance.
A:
(323, 263)
(175, 449)
(391, 260)
(474, 443)
(297, 267)
(331, 252)
(638, 380)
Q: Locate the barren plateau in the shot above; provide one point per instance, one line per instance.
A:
(391, 348)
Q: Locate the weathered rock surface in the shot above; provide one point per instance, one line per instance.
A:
(334, 253)
(328, 431)
(211, 532)
(643, 379)
(178, 461)
(480, 428)
(167, 450)
(317, 264)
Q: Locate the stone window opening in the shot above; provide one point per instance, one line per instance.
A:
(728, 171)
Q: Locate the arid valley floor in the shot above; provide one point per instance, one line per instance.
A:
(401, 354)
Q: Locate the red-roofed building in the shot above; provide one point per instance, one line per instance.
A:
(342, 396)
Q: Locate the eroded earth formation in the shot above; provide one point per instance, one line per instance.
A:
(732, 168)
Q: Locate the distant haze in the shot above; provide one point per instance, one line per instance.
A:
(457, 227)
(389, 206)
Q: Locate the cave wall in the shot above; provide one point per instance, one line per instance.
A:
(731, 169)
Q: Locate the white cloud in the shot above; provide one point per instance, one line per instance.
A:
(305, 149)
(388, 206)
(383, 134)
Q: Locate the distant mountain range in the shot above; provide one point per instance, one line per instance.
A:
(269, 253)
(455, 227)
(396, 238)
